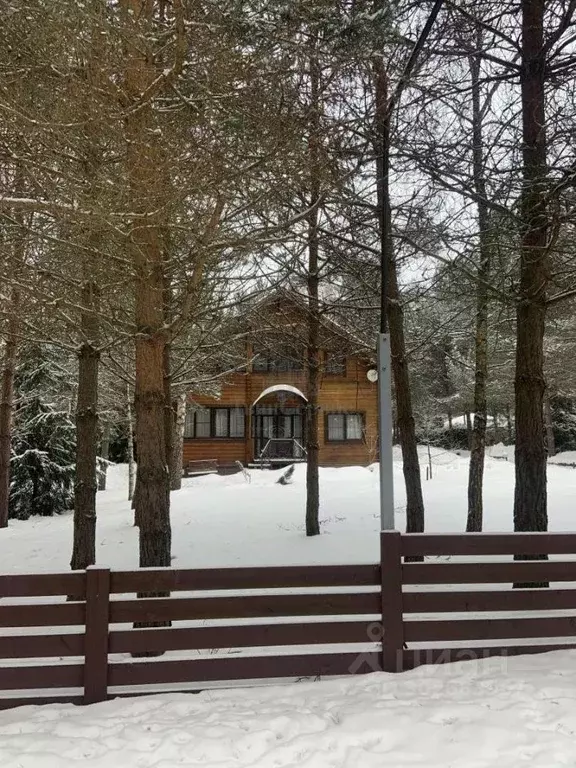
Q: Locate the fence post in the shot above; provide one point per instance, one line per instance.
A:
(392, 618)
(96, 635)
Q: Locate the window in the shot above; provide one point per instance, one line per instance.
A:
(236, 423)
(344, 427)
(260, 363)
(281, 361)
(335, 364)
(201, 423)
(221, 422)
(208, 423)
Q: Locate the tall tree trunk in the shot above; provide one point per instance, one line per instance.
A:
(530, 511)
(404, 410)
(85, 481)
(85, 486)
(478, 434)
(468, 418)
(104, 454)
(169, 411)
(10, 356)
(7, 404)
(395, 431)
(406, 425)
(177, 459)
(145, 175)
(313, 354)
(130, 447)
(550, 440)
(153, 498)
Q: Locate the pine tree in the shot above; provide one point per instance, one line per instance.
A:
(44, 443)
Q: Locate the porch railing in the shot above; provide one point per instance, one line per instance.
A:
(280, 448)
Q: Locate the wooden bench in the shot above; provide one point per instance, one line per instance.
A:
(201, 467)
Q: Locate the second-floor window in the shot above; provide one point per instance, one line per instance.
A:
(335, 364)
(281, 361)
(209, 423)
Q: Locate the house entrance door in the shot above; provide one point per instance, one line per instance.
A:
(278, 433)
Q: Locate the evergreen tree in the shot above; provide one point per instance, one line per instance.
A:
(44, 443)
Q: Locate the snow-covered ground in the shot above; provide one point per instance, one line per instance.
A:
(497, 712)
(226, 521)
(505, 712)
(566, 458)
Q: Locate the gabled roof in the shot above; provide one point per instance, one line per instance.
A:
(299, 300)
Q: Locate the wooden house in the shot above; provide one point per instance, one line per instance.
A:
(258, 416)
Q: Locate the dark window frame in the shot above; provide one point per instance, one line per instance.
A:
(343, 372)
(346, 440)
(266, 361)
(212, 410)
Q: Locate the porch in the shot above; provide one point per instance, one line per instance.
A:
(279, 426)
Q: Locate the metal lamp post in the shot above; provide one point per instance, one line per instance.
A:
(384, 110)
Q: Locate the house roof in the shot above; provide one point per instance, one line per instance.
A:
(300, 301)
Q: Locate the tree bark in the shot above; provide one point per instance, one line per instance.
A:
(313, 352)
(7, 404)
(85, 481)
(178, 444)
(550, 440)
(104, 454)
(169, 411)
(85, 486)
(130, 447)
(468, 418)
(145, 176)
(406, 424)
(530, 496)
(404, 410)
(153, 498)
(478, 433)
(530, 508)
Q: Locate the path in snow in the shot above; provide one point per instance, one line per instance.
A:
(224, 521)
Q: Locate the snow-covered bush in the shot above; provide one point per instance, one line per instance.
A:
(564, 423)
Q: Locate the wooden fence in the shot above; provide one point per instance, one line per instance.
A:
(295, 608)
(448, 611)
(280, 622)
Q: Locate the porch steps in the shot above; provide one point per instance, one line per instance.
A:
(274, 463)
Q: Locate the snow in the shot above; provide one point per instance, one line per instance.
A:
(501, 451)
(566, 458)
(280, 388)
(461, 421)
(227, 521)
(504, 712)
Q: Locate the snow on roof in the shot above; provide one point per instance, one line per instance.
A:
(280, 388)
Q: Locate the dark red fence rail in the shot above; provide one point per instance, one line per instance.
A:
(429, 596)
(288, 622)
